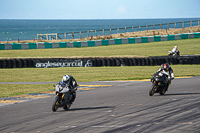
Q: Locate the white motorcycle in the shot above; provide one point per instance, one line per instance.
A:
(170, 53)
(63, 96)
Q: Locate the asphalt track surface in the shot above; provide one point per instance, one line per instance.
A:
(123, 107)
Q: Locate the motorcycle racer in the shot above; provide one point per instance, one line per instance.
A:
(174, 51)
(166, 69)
(68, 79)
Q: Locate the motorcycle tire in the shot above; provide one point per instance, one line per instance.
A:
(66, 107)
(152, 90)
(55, 104)
(162, 92)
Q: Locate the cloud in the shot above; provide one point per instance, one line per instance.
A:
(122, 9)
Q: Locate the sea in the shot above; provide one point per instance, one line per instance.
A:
(27, 29)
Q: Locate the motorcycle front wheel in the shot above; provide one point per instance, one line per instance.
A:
(55, 104)
(162, 92)
(152, 90)
(66, 107)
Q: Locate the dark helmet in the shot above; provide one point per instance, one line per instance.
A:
(165, 67)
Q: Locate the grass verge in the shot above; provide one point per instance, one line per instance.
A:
(8, 90)
(186, 47)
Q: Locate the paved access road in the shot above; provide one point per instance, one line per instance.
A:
(124, 107)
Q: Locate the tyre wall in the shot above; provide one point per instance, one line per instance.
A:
(96, 62)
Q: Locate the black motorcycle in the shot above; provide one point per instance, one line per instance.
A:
(159, 82)
(63, 92)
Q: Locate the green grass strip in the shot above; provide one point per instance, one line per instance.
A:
(9, 90)
(186, 47)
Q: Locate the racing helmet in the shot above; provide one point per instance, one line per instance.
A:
(175, 47)
(165, 67)
(65, 78)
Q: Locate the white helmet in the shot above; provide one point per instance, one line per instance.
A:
(65, 78)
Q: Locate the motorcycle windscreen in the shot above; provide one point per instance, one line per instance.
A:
(64, 90)
(61, 89)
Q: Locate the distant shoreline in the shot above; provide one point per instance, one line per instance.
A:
(32, 29)
(160, 32)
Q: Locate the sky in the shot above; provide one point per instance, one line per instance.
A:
(99, 9)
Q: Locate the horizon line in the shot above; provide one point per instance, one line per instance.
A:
(95, 19)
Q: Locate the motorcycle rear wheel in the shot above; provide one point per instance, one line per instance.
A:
(55, 104)
(152, 90)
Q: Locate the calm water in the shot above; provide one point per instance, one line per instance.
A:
(28, 29)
